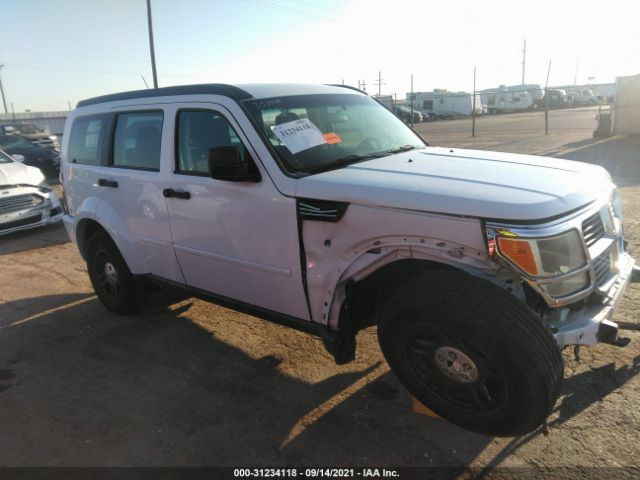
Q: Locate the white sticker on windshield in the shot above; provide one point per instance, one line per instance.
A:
(299, 135)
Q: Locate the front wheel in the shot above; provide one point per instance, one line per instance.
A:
(471, 352)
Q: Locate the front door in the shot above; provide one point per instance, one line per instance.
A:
(234, 239)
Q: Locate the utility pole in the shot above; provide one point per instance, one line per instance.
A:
(69, 103)
(575, 77)
(362, 85)
(4, 102)
(412, 100)
(524, 58)
(379, 83)
(473, 111)
(546, 102)
(145, 81)
(151, 47)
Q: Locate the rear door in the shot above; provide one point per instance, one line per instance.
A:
(132, 186)
(114, 173)
(237, 240)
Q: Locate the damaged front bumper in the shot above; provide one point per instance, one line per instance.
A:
(593, 323)
(26, 206)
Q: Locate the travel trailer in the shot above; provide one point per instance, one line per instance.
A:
(444, 102)
(504, 100)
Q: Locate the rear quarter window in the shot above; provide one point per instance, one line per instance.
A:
(86, 142)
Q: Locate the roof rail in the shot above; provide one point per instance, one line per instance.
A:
(346, 86)
(207, 88)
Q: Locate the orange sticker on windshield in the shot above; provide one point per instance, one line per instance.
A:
(332, 138)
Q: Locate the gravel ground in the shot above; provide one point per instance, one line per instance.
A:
(189, 383)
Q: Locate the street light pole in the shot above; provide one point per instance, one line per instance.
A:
(151, 48)
(4, 102)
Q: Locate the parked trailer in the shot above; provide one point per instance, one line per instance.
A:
(443, 102)
(504, 100)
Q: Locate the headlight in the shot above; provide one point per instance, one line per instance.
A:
(545, 257)
(568, 286)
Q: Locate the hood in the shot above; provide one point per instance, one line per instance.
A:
(492, 185)
(14, 173)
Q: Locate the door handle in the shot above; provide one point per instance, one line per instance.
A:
(103, 182)
(170, 192)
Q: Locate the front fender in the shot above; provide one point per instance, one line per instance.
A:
(366, 239)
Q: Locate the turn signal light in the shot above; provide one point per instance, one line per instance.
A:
(520, 253)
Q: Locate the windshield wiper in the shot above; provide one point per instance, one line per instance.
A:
(344, 161)
(404, 148)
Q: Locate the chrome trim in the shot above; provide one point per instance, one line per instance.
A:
(611, 242)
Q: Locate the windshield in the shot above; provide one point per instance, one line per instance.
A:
(314, 133)
(11, 141)
(4, 158)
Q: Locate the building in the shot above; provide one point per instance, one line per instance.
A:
(52, 122)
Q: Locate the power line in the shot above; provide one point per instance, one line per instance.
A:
(322, 7)
(293, 10)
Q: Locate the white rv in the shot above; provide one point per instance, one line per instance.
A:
(504, 100)
(535, 91)
(444, 102)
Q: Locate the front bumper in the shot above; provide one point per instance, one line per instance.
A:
(46, 209)
(593, 323)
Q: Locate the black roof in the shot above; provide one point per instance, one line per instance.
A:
(206, 88)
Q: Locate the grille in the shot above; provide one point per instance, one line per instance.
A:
(20, 223)
(593, 229)
(602, 268)
(19, 202)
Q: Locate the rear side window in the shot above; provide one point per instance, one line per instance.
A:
(86, 143)
(137, 138)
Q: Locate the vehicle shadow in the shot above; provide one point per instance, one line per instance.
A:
(579, 392)
(25, 240)
(619, 155)
(80, 386)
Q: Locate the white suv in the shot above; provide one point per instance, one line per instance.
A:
(315, 207)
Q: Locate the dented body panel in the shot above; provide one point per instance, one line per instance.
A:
(367, 238)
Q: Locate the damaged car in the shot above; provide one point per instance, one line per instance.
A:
(26, 201)
(315, 207)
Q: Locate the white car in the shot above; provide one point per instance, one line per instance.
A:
(25, 199)
(315, 207)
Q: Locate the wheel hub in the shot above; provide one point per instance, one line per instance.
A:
(456, 365)
(110, 273)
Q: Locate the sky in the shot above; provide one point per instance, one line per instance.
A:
(57, 52)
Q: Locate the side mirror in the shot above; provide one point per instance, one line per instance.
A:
(226, 163)
(17, 157)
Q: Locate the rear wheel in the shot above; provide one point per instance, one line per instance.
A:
(471, 353)
(109, 274)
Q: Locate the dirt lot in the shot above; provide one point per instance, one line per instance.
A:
(189, 383)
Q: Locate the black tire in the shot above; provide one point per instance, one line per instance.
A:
(111, 278)
(439, 320)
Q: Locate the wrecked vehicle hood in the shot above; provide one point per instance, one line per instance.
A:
(14, 173)
(475, 183)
